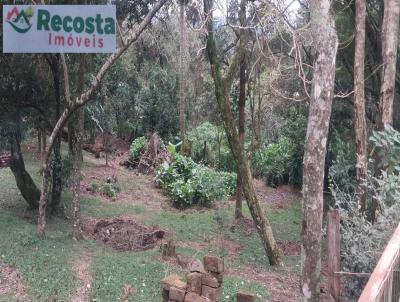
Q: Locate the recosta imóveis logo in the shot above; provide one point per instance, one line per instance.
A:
(20, 21)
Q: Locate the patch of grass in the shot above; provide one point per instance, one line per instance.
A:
(43, 263)
(233, 285)
(92, 206)
(186, 226)
(286, 222)
(111, 271)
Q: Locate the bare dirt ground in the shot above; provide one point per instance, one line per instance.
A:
(11, 282)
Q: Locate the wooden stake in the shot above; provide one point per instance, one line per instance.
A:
(334, 254)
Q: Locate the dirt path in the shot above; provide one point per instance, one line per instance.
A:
(82, 271)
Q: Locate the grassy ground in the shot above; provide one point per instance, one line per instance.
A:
(46, 265)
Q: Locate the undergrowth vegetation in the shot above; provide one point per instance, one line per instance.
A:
(137, 147)
(189, 183)
(362, 242)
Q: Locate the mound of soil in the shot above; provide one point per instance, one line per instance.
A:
(124, 234)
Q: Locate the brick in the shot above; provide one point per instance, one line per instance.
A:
(213, 264)
(192, 297)
(243, 296)
(194, 282)
(218, 276)
(172, 280)
(196, 266)
(210, 293)
(177, 294)
(209, 280)
(165, 295)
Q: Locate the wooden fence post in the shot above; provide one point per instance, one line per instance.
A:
(334, 254)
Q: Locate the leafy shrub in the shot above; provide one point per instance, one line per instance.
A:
(361, 242)
(189, 183)
(342, 169)
(94, 187)
(209, 145)
(273, 163)
(111, 189)
(137, 147)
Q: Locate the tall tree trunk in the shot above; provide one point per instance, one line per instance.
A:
(325, 44)
(360, 123)
(76, 144)
(241, 104)
(24, 181)
(222, 92)
(44, 143)
(182, 61)
(389, 38)
(57, 160)
(81, 101)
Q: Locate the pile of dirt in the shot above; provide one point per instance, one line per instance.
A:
(124, 234)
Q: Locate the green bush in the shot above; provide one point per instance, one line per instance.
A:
(188, 183)
(273, 163)
(137, 147)
(209, 145)
(110, 189)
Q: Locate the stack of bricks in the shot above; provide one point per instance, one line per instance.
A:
(204, 283)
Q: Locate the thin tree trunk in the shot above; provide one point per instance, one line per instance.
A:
(182, 61)
(39, 140)
(76, 144)
(57, 160)
(360, 124)
(222, 92)
(81, 101)
(43, 148)
(389, 37)
(325, 44)
(241, 104)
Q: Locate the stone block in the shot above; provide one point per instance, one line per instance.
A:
(192, 297)
(177, 294)
(194, 282)
(209, 280)
(243, 296)
(196, 266)
(165, 295)
(172, 280)
(218, 276)
(211, 293)
(213, 264)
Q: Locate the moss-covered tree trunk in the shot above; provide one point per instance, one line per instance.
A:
(389, 38)
(360, 123)
(325, 44)
(57, 160)
(24, 181)
(241, 104)
(223, 86)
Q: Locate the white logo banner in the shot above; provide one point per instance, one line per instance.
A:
(59, 28)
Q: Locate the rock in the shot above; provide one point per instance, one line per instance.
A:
(172, 281)
(209, 280)
(213, 294)
(196, 266)
(213, 264)
(177, 294)
(192, 297)
(243, 296)
(194, 282)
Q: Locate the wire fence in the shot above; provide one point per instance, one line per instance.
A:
(384, 283)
